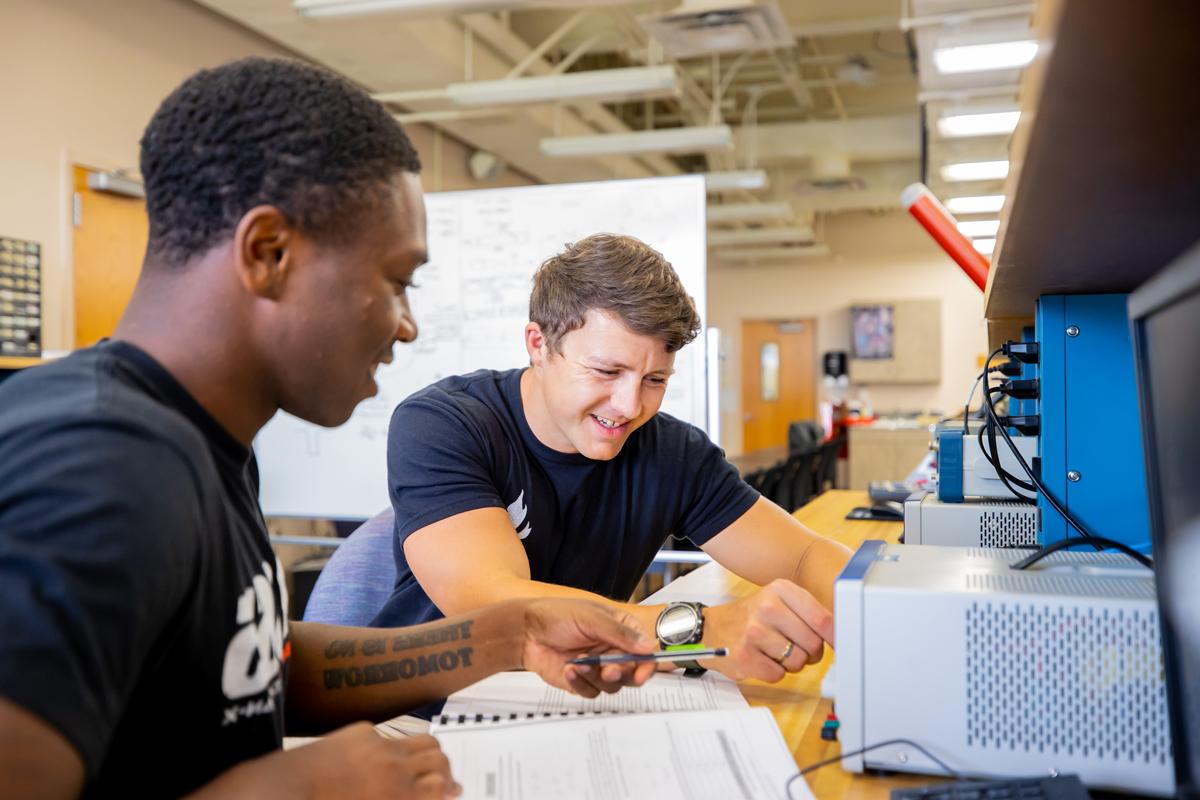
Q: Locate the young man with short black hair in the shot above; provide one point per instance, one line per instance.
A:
(563, 480)
(145, 648)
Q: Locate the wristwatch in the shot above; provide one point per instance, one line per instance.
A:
(678, 625)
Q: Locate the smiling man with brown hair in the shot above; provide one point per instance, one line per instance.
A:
(563, 479)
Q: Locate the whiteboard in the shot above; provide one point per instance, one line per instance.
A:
(471, 304)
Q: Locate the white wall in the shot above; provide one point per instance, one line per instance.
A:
(79, 80)
(874, 257)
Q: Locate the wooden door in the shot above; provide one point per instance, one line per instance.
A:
(778, 379)
(109, 244)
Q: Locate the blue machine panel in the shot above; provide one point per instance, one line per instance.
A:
(862, 560)
(950, 465)
(1090, 423)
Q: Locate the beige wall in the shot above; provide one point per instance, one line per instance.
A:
(876, 257)
(79, 79)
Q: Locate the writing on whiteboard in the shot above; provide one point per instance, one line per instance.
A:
(471, 307)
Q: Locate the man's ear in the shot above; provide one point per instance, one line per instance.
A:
(260, 244)
(536, 345)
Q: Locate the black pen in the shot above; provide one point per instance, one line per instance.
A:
(685, 654)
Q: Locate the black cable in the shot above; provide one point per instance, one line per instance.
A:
(787, 788)
(1011, 368)
(1005, 475)
(1062, 544)
(1041, 487)
(992, 454)
(993, 458)
(1069, 541)
(967, 405)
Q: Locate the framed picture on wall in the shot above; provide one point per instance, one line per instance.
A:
(874, 331)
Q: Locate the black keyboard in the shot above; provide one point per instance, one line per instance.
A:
(1062, 787)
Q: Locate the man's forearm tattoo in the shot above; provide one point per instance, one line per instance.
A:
(404, 668)
(340, 648)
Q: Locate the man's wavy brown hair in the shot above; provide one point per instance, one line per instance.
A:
(617, 274)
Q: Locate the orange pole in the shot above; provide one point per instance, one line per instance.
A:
(941, 225)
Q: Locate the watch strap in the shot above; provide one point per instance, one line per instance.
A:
(691, 667)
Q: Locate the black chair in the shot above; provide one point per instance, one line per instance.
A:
(804, 436)
(800, 477)
(755, 479)
(773, 485)
(825, 471)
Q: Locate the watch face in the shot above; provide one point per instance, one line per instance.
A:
(677, 624)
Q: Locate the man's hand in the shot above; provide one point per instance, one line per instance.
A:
(357, 762)
(557, 631)
(354, 761)
(758, 628)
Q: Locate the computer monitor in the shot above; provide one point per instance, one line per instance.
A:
(1165, 313)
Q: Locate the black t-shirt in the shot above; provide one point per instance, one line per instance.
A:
(464, 443)
(142, 611)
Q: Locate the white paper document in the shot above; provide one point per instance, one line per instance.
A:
(525, 693)
(693, 755)
(512, 737)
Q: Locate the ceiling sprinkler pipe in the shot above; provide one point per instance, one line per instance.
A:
(941, 225)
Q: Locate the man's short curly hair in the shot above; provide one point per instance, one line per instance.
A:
(618, 274)
(265, 132)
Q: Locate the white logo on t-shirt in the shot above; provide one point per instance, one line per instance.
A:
(255, 653)
(517, 512)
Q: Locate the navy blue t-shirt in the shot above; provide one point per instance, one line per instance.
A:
(142, 612)
(464, 443)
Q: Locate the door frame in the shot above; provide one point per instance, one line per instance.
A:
(64, 299)
(742, 367)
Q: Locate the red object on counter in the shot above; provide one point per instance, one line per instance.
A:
(941, 225)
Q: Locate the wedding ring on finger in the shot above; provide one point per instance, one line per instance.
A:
(787, 651)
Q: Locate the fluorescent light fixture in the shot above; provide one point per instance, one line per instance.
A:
(318, 9)
(795, 235)
(985, 246)
(978, 228)
(665, 140)
(594, 86)
(957, 124)
(749, 212)
(746, 179)
(772, 253)
(975, 204)
(975, 171)
(981, 57)
(452, 114)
